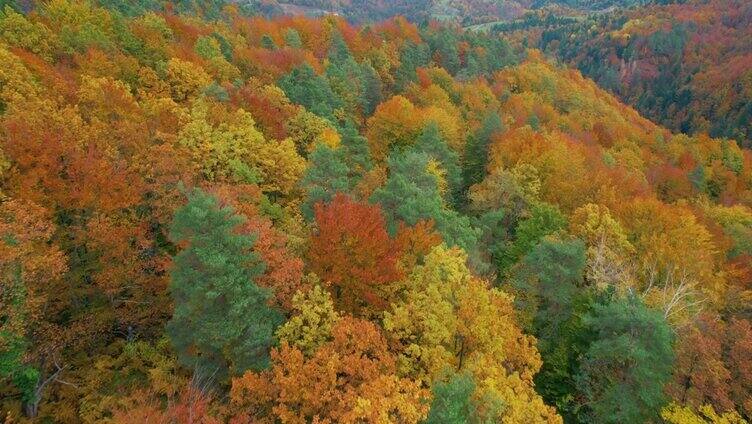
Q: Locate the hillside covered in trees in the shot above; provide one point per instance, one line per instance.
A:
(463, 12)
(208, 216)
(687, 65)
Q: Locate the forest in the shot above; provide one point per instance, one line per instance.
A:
(212, 214)
(686, 66)
(464, 12)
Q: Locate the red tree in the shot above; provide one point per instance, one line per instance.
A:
(353, 253)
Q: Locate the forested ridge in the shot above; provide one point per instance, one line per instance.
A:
(208, 216)
(464, 12)
(686, 65)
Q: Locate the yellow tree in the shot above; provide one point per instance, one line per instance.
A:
(608, 249)
(311, 325)
(678, 257)
(16, 81)
(449, 319)
(676, 414)
(18, 31)
(186, 79)
(396, 122)
(228, 145)
(449, 124)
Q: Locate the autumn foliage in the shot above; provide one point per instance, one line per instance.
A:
(353, 254)
(221, 211)
(350, 379)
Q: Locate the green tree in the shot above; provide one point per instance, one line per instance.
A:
(30, 263)
(549, 287)
(623, 372)
(433, 144)
(443, 45)
(10, 4)
(222, 321)
(268, 43)
(132, 7)
(371, 95)
(292, 38)
(476, 150)
(208, 47)
(494, 236)
(558, 266)
(208, 9)
(344, 74)
(412, 194)
(14, 345)
(452, 400)
(80, 25)
(338, 50)
(488, 55)
(326, 175)
(303, 86)
(544, 219)
(412, 57)
(18, 31)
(561, 353)
(354, 148)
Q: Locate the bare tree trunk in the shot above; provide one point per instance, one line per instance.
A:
(31, 407)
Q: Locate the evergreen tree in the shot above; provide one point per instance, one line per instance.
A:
(292, 39)
(371, 91)
(222, 321)
(546, 282)
(550, 289)
(561, 353)
(338, 51)
(443, 45)
(411, 194)
(412, 57)
(452, 401)
(476, 150)
(327, 174)
(29, 262)
(473, 68)
(303, 86)
(345, 74)
(623, 372)
(354, 150)
(268, 43)
(544, 219)
(433, 144)
(14, 344)
(558, 266)
(489, 55)
(494, 234)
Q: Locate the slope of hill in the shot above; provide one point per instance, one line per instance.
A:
(240, 219)
(464, 12)
(686, 66)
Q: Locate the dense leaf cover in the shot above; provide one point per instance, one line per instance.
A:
(210, 216)
(686, 65)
